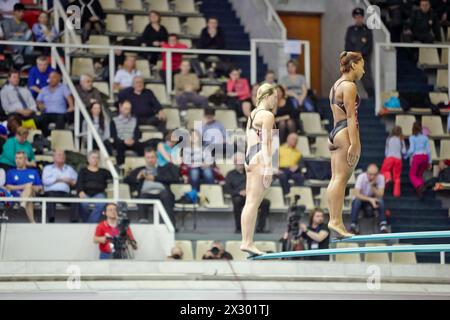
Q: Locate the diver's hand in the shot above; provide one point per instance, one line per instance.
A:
(353, 155)
(267, 177)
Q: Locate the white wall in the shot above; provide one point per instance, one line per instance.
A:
(311, 6)
(74, 242)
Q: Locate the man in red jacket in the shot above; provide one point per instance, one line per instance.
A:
(177, 58)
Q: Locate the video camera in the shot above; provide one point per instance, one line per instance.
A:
(291, 240)
(120, 243)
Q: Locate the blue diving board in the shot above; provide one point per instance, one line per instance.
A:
(383, 249)
(396, 236)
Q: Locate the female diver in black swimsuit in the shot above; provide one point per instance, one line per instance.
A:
(345, 145)
(258, 162)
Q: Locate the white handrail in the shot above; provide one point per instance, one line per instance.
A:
(383, 26)
(80, 107)
(273, 15)
(156, 202)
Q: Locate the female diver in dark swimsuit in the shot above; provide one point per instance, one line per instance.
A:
(258, 162)
(345, 145)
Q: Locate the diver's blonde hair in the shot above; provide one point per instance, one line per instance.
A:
(265, 90)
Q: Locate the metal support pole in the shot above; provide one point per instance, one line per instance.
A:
(112, 64)
(308, 63)
(155, 214)
(377, 79)
(253, 62)
(169, 72)
(442, 257)
(44, 212)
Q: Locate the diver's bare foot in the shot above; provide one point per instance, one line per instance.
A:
(252, 250)
(340, 230)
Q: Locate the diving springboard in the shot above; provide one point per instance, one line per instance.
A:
(382, 249)
(395, 236)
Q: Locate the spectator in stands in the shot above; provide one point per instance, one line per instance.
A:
(101, 124)
(235, 185)
(39, 75)
(176, 254)
(294, 84)
(442, 9)
(152, 182)
(423, 24)
(24, 183)
(15, 144)
(7, 8)
(16, 29)
(213, 131)
(270, 78)
(443, 175)
(212, 36)
(290, 168)
(369, 193)
(145, 106)
(316, 234)
(124, 77)
(217, 252)
(154, 35)
(392, 164)
(172, 43)
(91, 184)
(187, 86)
(419, 153)
(56, 103)
(108, 229)
(43, 31)
(248, 106)
(359, 38)
(125, 132)
(92, 18)
(287, 115)
(58, 179)
(14, 122)
(87, 92)
(16, 99)
(238, 91)
(165, 150)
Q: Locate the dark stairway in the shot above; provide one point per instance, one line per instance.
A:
(235, 36)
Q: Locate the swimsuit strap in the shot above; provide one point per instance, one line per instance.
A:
(251, 119)
(333, 94)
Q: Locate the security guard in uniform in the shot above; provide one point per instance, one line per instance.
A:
(359, 38)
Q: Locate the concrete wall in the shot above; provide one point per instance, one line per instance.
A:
(73, 242)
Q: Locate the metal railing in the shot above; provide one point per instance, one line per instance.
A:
(272, 15)
(158, 208)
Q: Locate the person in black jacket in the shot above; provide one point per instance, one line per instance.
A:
(125, 132)
(235, 183)
(154, 35)
(424, 25)
(212, 36)
(153, 182)
(92, 18)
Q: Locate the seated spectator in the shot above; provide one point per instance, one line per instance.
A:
(38, 77)
(15, 144)
(101, 125)
(295, 84)
(270, 78)
(16, 29)
(58, 179)
(176, 254)
(290, 168)
(154, 35)
(91, 184)
(152, 182)
(316, 233)
(88, 93)
(125, 132)
(212, 36)
(14, 122)
(423, 25)
(24, 183)
(443, 176)
(124, 77)
(287, 115)
(108, 229)
(217, 252)
(392, 164)
(214, 134)
(172, 43)
(235, 185)
(248, 106)
(56, 104)
(165, 150)
(420, 154)
(145, 106)
(238, 91)
(92, 18)
(16, 99)
(369, 193)
(7, 8)
(187, 86)
(43, 30)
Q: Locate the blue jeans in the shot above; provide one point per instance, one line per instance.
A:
(21, 49)
(96, 213)
(195, 175)
(357, 205)
(105, 256)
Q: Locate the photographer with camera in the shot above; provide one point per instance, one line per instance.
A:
(114, 234)
(217, 252)
(316, 234)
